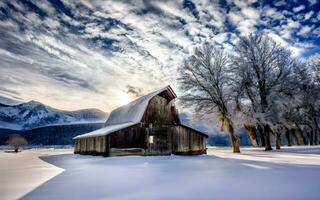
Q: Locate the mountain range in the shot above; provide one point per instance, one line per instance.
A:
(33, 114)
(42, 124)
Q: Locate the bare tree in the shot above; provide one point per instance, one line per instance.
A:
(263, 66)
(302, 110)
(312, 98)
(16, 141)
(205, 80)
(314, 63)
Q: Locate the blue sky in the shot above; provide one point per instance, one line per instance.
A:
(81, 54)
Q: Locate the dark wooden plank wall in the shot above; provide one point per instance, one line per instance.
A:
(131, 137)
(167, 139)
(157, 118)
(188, 141)
(159, 111)
(162, 140)
(91, 145)
(175, 139)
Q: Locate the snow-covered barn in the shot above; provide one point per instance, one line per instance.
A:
(149, 125)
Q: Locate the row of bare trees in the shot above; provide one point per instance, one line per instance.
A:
(260, 86)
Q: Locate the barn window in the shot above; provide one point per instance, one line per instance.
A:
(151, 139)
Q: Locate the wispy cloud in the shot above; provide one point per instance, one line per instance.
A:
(75, 54)
(134, 91)
(299, 8)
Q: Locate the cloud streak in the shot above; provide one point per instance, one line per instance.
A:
(75, 54)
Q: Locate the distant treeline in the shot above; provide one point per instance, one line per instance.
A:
(51, 135)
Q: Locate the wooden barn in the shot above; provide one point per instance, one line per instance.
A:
(149, 125)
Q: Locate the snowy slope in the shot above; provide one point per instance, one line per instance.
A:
(34, 114)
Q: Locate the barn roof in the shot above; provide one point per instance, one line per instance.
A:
(133, 112)
(105, 131)
(195, 130)
(129, 114)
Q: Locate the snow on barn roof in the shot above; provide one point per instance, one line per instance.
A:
(105, 131)
(128, 114)
(133, 112)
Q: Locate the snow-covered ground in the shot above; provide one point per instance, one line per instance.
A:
(298, 155)
(291, 173)
(23, 172)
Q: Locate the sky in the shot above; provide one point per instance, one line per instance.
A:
(102, 54)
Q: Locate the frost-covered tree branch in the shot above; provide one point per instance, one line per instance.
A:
(205, 79)
(261, 86)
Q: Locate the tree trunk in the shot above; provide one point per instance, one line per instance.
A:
(293, 133)
(266, 133)
(234, 139)
(316, 130)
(299, 136)
(252, 134)
(310, 136)
(261, 135)
(278, 141)
(288, 136)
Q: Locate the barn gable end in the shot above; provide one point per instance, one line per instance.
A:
(134, 111)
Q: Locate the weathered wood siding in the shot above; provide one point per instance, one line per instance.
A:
(131, 137)
(158, 119)
(188, 141)
(175, 139)
(160, 111)
(162, 140)
(92, 145)
(126, 152)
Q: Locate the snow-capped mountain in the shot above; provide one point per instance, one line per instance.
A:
(33, 114)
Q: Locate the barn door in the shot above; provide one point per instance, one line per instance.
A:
(159, 140)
